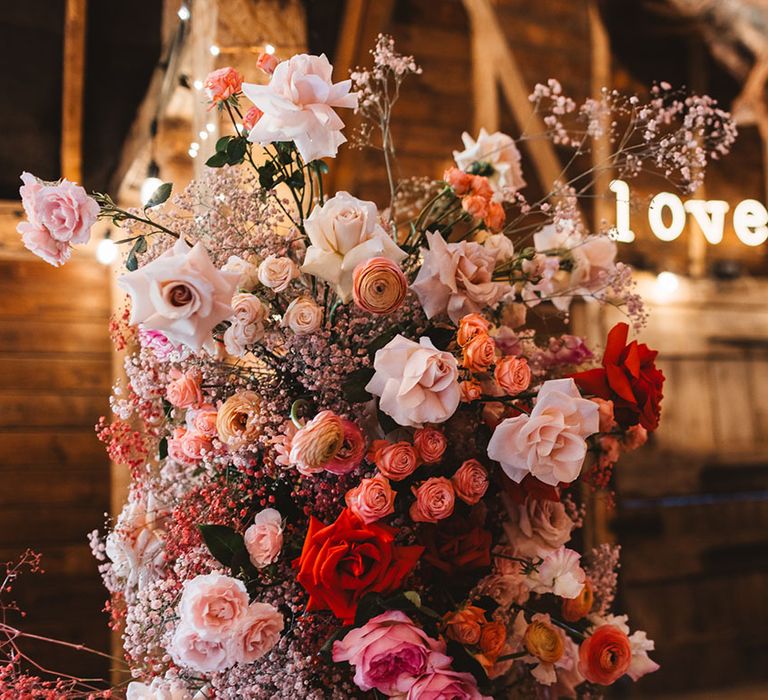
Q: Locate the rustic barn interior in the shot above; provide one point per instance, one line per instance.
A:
(691, 507)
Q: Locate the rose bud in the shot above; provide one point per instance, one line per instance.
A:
(267, 62)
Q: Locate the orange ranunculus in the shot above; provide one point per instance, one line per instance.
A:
(493, 637)
(343, 561)
(543, 641)
(575, 608)
(604, 657)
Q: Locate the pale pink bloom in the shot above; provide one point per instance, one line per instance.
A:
(195, 445)
(202, 420)
(435, 499)
(257, 634)
(594, 263)
(183, 391)
(298, 106)
(267, 62)
(500, 246)
(248, 273)
(277, 272)
(351, 452)
(317, 443)
(550, 443)
(417, 383)
(389, 652)
(470, 481)
(344, 232)
(190, 650)
(180, 294)
(567, 670)
(303, 316)
(58, 215)
(457, 279)
(372, 499)
(500, 152)
(505, 589)
(536, 527)
(213, 605)
(442, 683)
(176, 451)
(560, 573)
(239, 337)
(251, 117)
(264, 537)
(222, 84)
(545, 672)
(158, 689)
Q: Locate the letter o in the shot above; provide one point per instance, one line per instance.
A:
(656, 218)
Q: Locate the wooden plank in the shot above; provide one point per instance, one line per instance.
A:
(25, 486)
(733, 411)
(64, 560)
(73, 89)
(51, 525)
(21, 411)
(64, 374)
(37, 335)
(66, 450)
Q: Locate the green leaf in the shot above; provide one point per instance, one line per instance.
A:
(465, 662)
(354, 385)
(236, 151)
(440, 336)
(223, 143)
(320, 166)
(226, 545)
(140, 246)
(131, 262)
(217, 160)
(160, 195)
(284, 151)
(267, 175)
(414, 597)
(162, 448)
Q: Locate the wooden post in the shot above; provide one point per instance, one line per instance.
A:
(73, 87)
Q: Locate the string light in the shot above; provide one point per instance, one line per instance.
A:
(667, 283)
(198, 84)
(268, 48)
(106, 251)
(210, 127)
(215, 50)
(184, 13)
(151, 183)
(203, 135)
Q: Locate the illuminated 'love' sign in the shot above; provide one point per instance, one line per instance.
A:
(668, 214)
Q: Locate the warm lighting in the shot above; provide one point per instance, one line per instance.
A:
(203, 135)
(106, 251)
(749, 221)
(210, 127)
(621, 232)
(269, 49)
(148, 188)
(667, 283)
(710, 216)
(192, 153)
(198, 84)
(661, 229)
(184, 13)
(215, 50)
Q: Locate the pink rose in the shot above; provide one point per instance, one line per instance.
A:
(58, 215)
(222, 84)
(303, 316)
(550, 443)
(389, 652)
(351, 452)
(264, 538)
(203, 420)
(442, 683)
(251, 117)
(213, 605)
(435, 499)
(513, 375)
(430, 444)
(298, 106)
(605, 414)
(176, 450)
(470, 481)
(267, 62)
(157, 342)
(183, 391)
(194, 445)
(537, 527)
(190, 650)
(276, 272)
(257, 634)
(397, 460)
(372, 499)
(417, 382)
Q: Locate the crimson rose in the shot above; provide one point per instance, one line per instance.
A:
(343, 561)
(629, 377)
(455, 546)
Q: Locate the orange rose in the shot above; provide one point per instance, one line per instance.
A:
(470, 481)
(430, 444)
(470, 326)
(458, 180)
(464, 625)
(435, 499)
(513, 375)
(605, 656)
(480, 353)
(475, 205)
(470, 390)
(575, 608)
(543, 641)
(493, 636)
(396, 460)
(222, 84)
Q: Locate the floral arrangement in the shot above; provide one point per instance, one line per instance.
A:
(354, 445)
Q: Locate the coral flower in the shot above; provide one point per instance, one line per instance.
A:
(605, 656)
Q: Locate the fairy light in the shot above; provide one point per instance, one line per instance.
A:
(184, 13)
(215, 50)
(210, 127)
(198, 84)
(665, 286)
(268, 48)
(106, 251)
(203, 135)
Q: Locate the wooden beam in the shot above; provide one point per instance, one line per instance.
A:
(485, 86)
(73, 88)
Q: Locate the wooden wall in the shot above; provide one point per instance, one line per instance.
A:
(55, 375)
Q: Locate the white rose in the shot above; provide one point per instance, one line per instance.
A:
(550, 443)
(264, 538)
(303, 316)
(417, 382)
(343, 233)
(240, 336)
(248, 309)
(248, 272)
(158, 689)
(497, 150)
(277, 273)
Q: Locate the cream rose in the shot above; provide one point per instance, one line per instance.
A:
(550, 443)
(277, 273)
(498, 151)
(417, 382)
(264, 538)
(303, 316)
(345, 232)
(247, 272)
(237, 419)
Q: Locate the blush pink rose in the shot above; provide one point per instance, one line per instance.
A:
(430, 445)
(190, 650)
(512, 374)
(470, 481)
(183, 391)
(537, 526)
(213, 605)
(351, 452)
(264, 538)
(176, 451)
(372, 499)
(251, 117)
(442, 683)
(58, 215)
(257, 634)
(389, 652)
(194, 445)
(222, 84)
(435, 499)
(396, 460)
(203, 420)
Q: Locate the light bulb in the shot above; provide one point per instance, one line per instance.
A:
(148, 188)
(106, 251)
(198, 84)
(184, 13)
(268, 48)
(667, 283)
(215, 50)
(210, 127)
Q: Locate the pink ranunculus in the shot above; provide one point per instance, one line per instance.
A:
(264, 537)
(315, 445)
(435, 499)
(389, 652)
(372, 499)
(213, 605)
(183, 391)
(298, 106)
(251, 117)
(58, 215)
(222, 84)
(442, 683)
(181, 294)
(417, 382)
(430, 444)
(560, 573)
(537, 527)
(351, 452)
(267, 62)
(550, 443)
(257, 634)
(470, 481)
(203, 420)
(190, 650)
(457, 279)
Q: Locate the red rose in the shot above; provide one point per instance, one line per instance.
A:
(629, 377)
(454, 546)
(605, 656)
(343, 561)
(531, 486)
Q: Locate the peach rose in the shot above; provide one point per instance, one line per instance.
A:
(493, 637)
(203, 420)
(237, 421)
(397, 460)
(574, 609)
(372, 499)
(470, 326)
(176, 450)
(379, 286)
(435, 499)
(464, 625)
(470, 390)
(267, 62)
(495, 216)
(605, 414)
(635, 437)
(513, 375)
(303, 316)
(430, 445)
(264, 537)
(277, 272)
(470, 481)
(501, 246)
(317, 443)
(222, 84)
(479, 353)
(543, 641)
(188, 649)
(251, 117)
(239, 337)
(460, 181)
(258, 633)
(213, 605)
(194, 445)
(537, 527)
(183, 391)
(475, 205)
